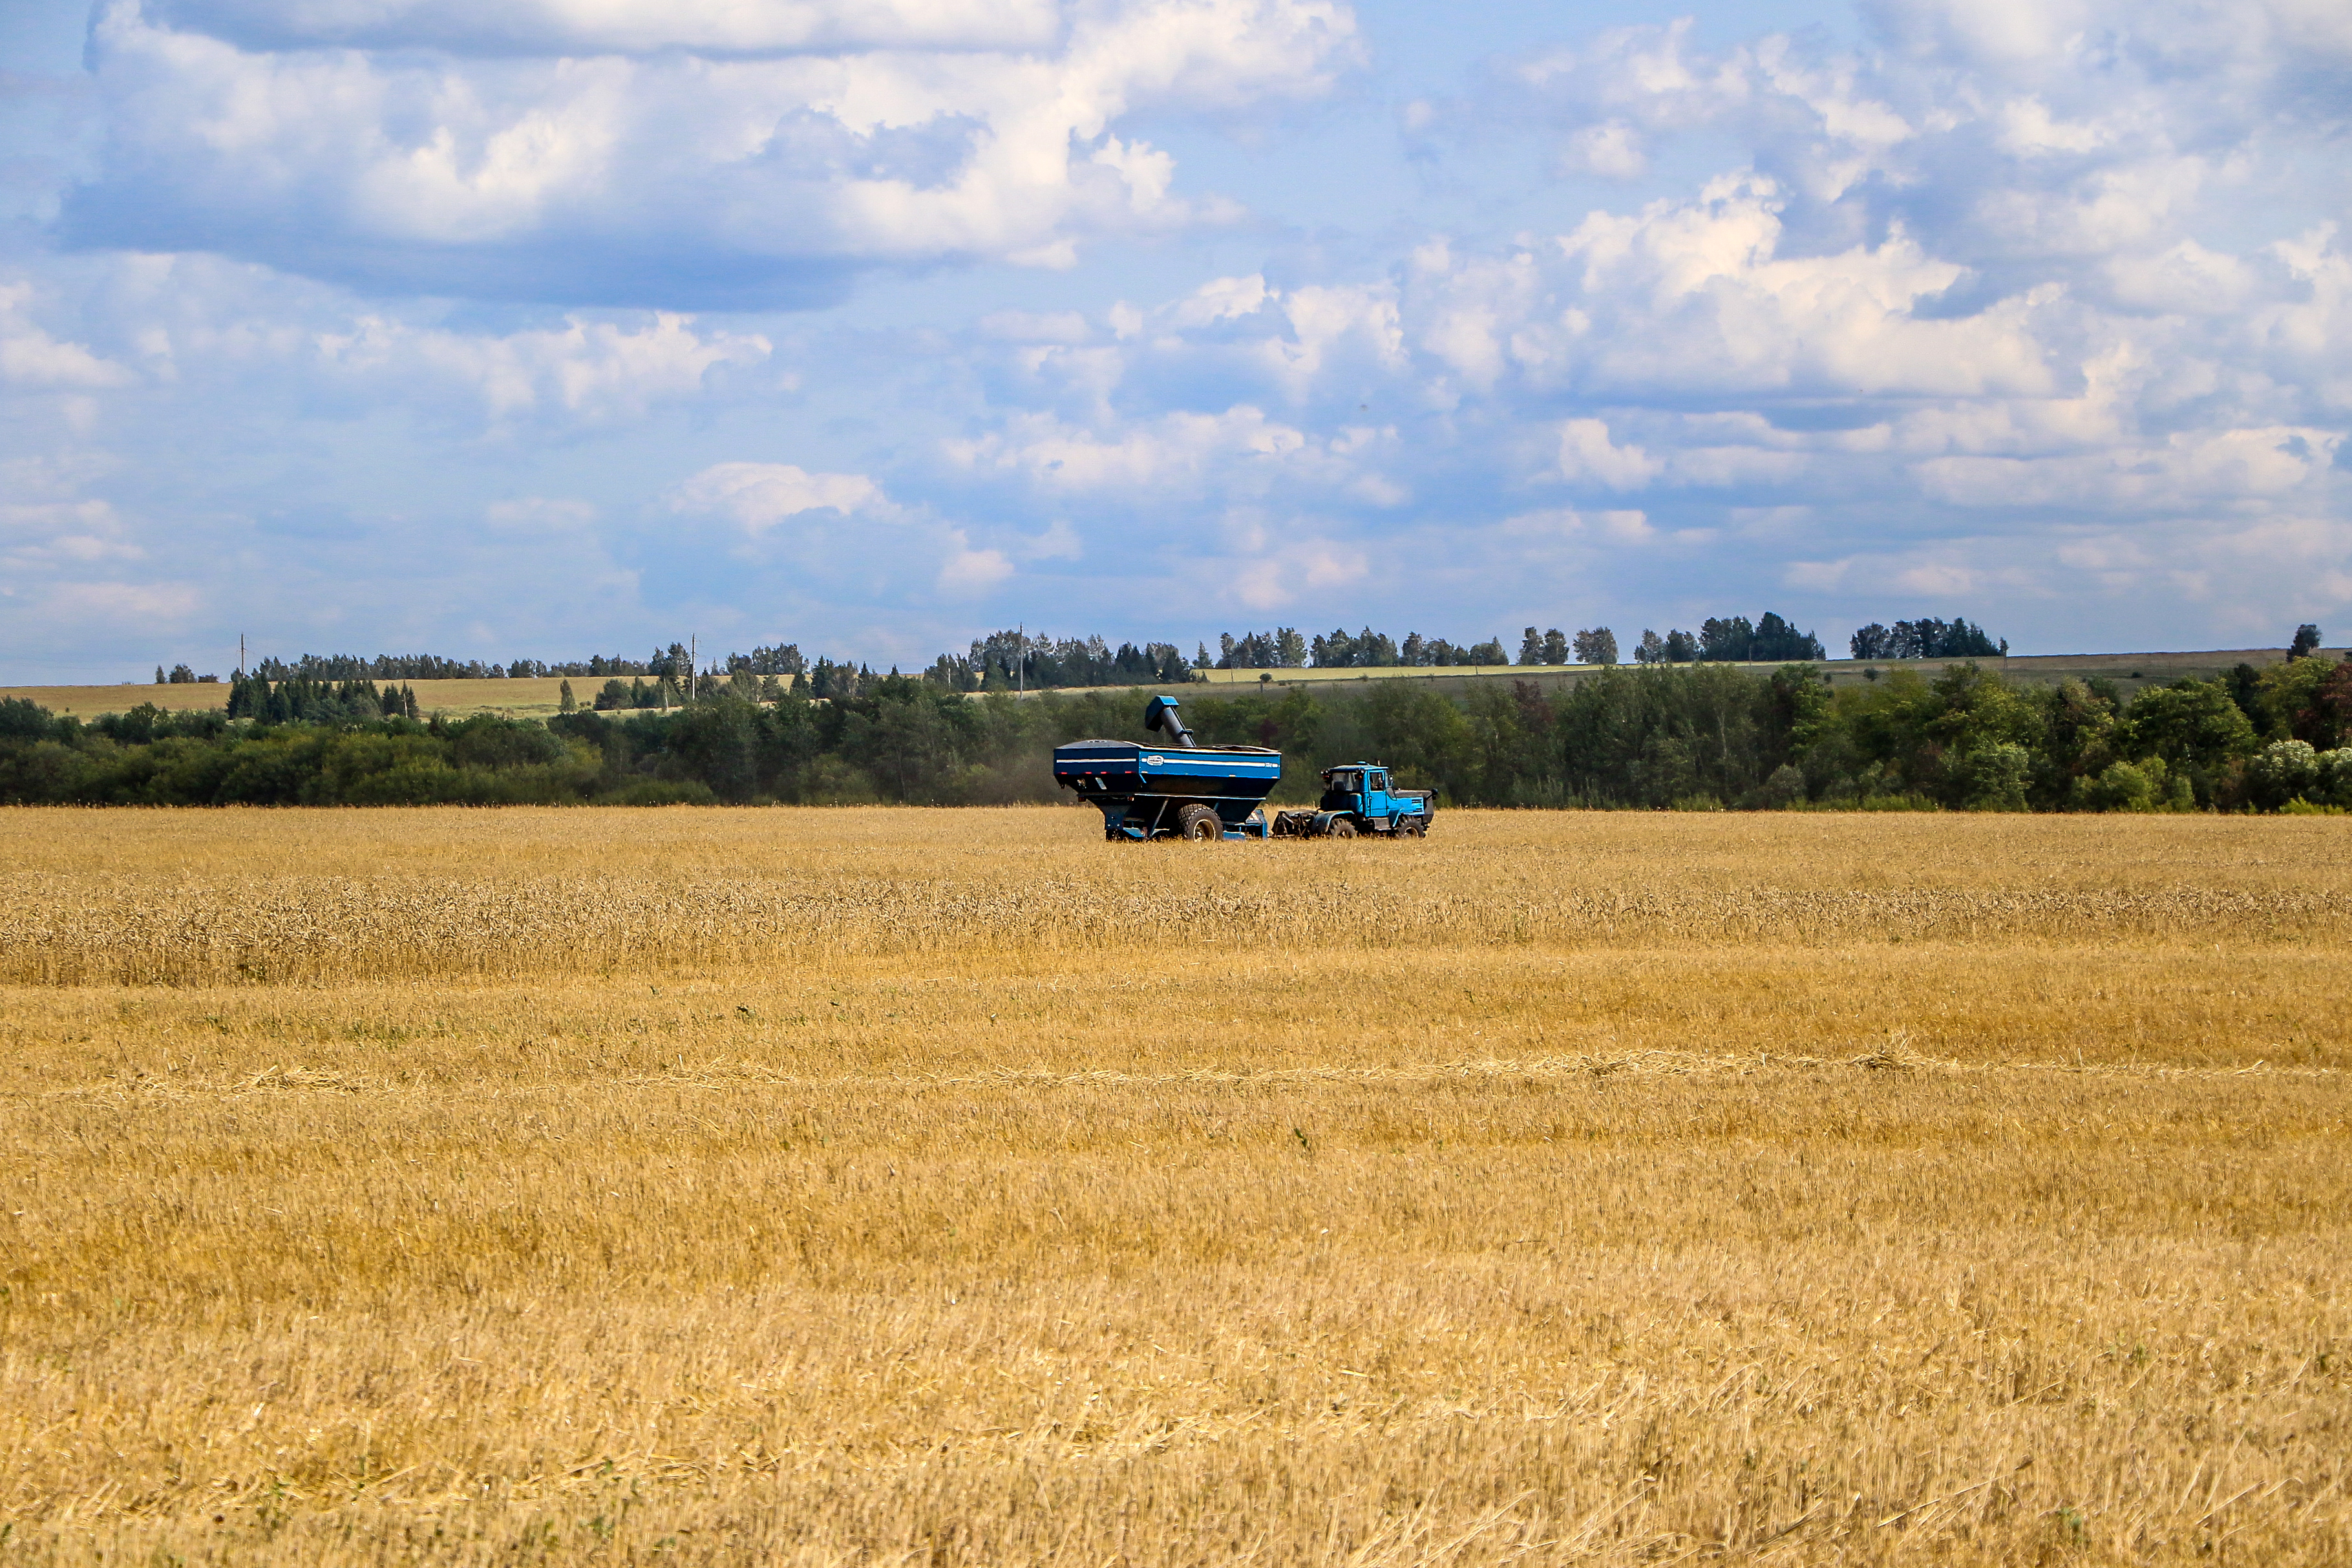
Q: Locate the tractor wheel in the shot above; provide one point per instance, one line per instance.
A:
(1198, 824)
(1343, 828)
(1414, 828)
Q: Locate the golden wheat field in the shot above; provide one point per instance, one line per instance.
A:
(811, 1186)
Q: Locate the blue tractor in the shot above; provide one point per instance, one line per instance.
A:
(1359, 798)
(1183, 789)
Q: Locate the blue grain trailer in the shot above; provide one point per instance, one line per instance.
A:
(1183, 789)
(1180, 789)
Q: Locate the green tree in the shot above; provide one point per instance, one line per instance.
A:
(2307, 699)
(1803, 732)
(2145, 786)
(1651, 737)
(1887, 726)
(1993, 774)
(1726, 639)
(2083, 731)
(2196, 727)
(2281, 771)
(1423, 736)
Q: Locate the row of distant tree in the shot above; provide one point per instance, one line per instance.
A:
(431, 667)
(1021, 659)
(670, 676)
(759, 679)
(1699, 735)
(1925, 639)
(1286, 647)
(1730, 640)
(1010, 660)
(298, 700)
(347, 666)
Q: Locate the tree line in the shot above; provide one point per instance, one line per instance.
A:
(300, 699)
(1923, 638)
(1703, 735)
(1020, 660)
(1728, 639)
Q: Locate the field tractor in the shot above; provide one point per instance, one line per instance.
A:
(1359, 798)
(1183, 789)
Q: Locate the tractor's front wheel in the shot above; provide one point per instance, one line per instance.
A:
(1198, 824)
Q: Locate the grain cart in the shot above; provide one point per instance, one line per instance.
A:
(1358, 797)
(1180, 789)
(1186, 790)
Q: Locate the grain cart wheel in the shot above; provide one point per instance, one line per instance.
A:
(1343, 828)
(1198, 824)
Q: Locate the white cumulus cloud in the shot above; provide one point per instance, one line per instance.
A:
(1588, 455)
(33, 361)
(652, 155)
(623, 26)
(758, 496)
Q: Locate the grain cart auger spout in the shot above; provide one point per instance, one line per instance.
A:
(1187, 790)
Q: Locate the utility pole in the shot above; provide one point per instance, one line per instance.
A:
(1021, 656)
(240, 653)
(693, 663)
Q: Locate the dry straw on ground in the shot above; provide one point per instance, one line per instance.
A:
(809, 1186)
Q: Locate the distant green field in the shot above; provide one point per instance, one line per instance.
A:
(533, 697)
(540, 698)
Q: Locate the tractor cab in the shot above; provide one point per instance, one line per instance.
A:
(1359, 788)
(1360, 798)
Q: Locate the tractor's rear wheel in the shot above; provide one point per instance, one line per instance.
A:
(1343, 828)
(1198, 824)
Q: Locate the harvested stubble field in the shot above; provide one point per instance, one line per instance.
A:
(888, 1185)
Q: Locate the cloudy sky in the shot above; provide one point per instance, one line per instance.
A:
(542, 327)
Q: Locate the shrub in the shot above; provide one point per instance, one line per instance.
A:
(1785, 788)
(485, 740)
(1992, 776)
(830, 781)
(22, 719)
(2145, 786)
(2334, 785)
(2281, 771)
(660, 792)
